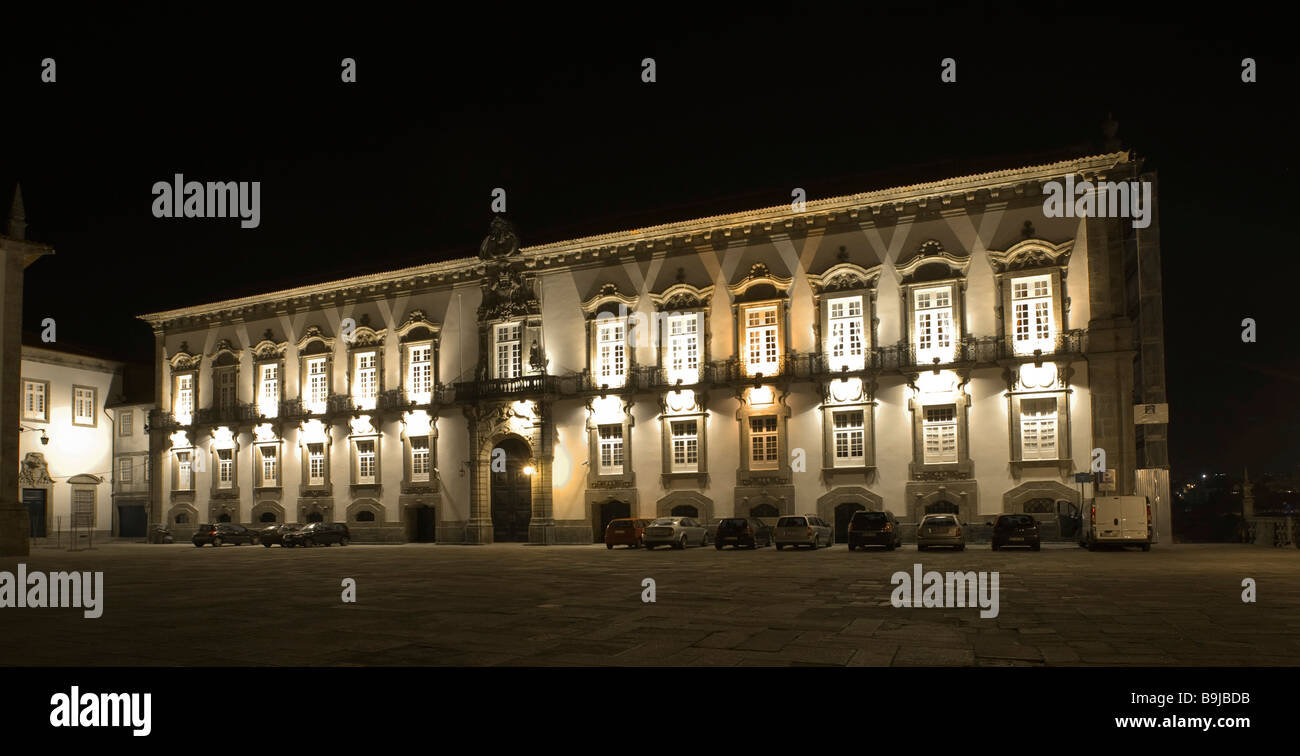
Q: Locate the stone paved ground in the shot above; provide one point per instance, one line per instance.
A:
(528, 606)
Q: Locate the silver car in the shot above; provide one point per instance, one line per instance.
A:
(802, 530)
(678, 532)
(940, 530)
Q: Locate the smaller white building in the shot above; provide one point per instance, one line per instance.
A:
(66, 443)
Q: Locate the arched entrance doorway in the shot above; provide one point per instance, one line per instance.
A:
(686, 510)
(603, 513)
(942, 506)
(512, 492)
(843, 514)
(765, 509)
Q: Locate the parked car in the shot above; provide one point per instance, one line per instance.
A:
(319, 533)
(750, 532)
(160, 534)
(1118, 520)
(678, 532)
(874, 529)
(940, 530)
(1016, 530)
(627, 531)
(223, 532)
(802, 530)
(274, 534)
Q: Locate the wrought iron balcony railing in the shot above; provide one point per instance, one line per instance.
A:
(161, 420)
(523, 387)
(1065, 343)
(229, 414)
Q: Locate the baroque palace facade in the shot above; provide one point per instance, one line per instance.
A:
(937, 347)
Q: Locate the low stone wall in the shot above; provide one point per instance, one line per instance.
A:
(1272, 531)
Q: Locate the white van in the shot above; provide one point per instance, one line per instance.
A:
(1120, 520)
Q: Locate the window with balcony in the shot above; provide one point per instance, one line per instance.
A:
(762, 341)
(420, 459)
(318, 385)
(611, 348)
(849, 438)
(845, 344)
(268, 394)
(36, 405)
(685, 446)
(225, 387)
(763, 444)
(419, 373)
(508, 347)
(934, 333)
(225, 468)
(268, 468)
(316, 464)
(683, 358)
(366, 469)
(183, 401)
(365, 379)
(1031, 305)
(940, 434)
(1038, 429)
(83, 406)
(611, 449)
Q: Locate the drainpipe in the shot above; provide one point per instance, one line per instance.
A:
(112, 471)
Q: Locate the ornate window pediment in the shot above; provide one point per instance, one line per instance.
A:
(416, 327)
(268, 348)
(225, 354)
(845, 276)
(314, 334)
(1029, 254)
(931, 263)
(609, 298)
(682, 296)
(184, 359)
(366, 336)
(759, 284)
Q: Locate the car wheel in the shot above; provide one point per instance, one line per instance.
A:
(1092, 545)
(267, 545)
(344, 541)
(1038, 547)
(961, 547)
(851, 546)
(649, 547)
(780, 546)
(1145, 547)
(216, 541)
(639, 543)
(309, 542)
(681, 543)
(199, 545)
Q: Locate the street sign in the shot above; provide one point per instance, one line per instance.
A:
(1106, 480)
(1083, 477)
(1150, 414)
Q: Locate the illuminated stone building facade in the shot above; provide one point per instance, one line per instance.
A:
(937, 347)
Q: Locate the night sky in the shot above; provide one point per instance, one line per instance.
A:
(397, 169)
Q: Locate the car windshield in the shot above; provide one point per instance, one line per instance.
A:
(622, 523)
(945, 520)
(869, 518)
(791, 522)
(1016, 521)
(665, 521)
(733, 522)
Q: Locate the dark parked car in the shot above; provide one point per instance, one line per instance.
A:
(750, 532)
(1016, 530)
(874, 529)
(323, 533)
(274, 534)
(223, 532)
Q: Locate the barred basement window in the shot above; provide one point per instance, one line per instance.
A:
(940, 430)
(1031, 302)
(849, 438)
(509, 350)
(420, 459)
(611, 449)
(1038, 429)
(686, 449)
(225, 468)
(762, 443)
(365, 516)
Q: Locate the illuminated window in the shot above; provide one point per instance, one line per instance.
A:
(366, 380)
(845, 344)
(611, 449)
(366, 461)
(35, 400)
(184, 479)
(268, 470)
(509, 350)
(761, 350)
(1038, 429)
(611, 365)
(940, 429)
(849, 438)
(762, 443)
(1031, 304)
(184, 398)
(83, 405)
(934, 329)
(420, 459)
(268, 401)
(318, 385)
(315, 464)
(420, 373)
(686, 449)
(683, 348)
(225, 468)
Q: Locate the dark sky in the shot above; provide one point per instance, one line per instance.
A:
(397, 169)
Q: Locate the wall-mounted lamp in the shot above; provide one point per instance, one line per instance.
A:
(44, 438)
(529, 469)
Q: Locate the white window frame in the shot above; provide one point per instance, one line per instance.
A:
(611, 352)
(1031, 314)
(507, 350)
(268, 393)
(318, 384)
(421, 458)
(185, 470)
(762, 340)
(262, 465)
(1039, 429)
(610, 454)
(125, 422)
(419, 372)
(84, 401)
(183, 407)
(365, 381)
(685, 446)
(316, 463)
(933, 318)
(125, 471)
(939, 434)
(225, 469)
(848, 438)
(764, 442)
(846, 340)
(36, 400)
(683, 339)
(226, 389)
(366, 459)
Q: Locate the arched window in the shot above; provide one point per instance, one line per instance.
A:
(685, 510)
(764, 510)
(1040, 506)
(365, 515)
(267, 517)
(941, 507)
